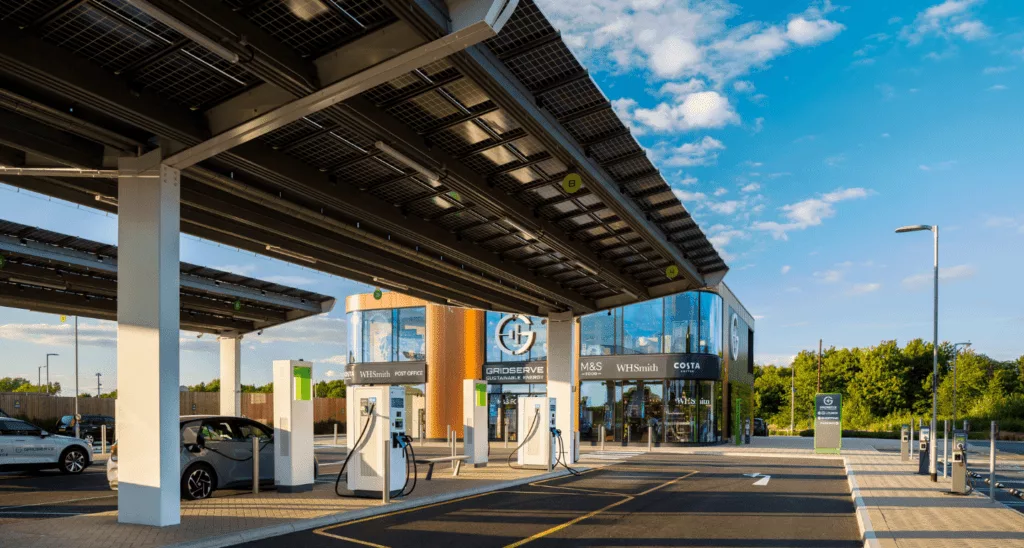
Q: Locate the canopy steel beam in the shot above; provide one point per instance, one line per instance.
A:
(473, 21)
(48, 142)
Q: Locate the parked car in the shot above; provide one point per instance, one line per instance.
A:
(89, 429)
(25, 446)
(216, 453)
(760, 427)
(2, 414)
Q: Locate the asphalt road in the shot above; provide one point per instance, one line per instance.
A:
(50, 494)
(650, 500)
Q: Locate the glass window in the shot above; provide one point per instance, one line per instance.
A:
(218, 431)
(19, 428)
(681, 322)
(412, 328)
(247, 430)
(642, 327)
(355, 337)
(377, 334)
(596, 400)
(710, 324)
(597, 333)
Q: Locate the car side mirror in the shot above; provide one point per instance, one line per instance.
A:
(43, 433)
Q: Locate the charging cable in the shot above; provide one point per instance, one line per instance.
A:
(561, 456)
(529, 435)
(355, 447)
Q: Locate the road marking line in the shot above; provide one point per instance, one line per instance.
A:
(763, 481)
(41, 513)
(322, 530)
(56, 502)
(349, 539)
(572, 522)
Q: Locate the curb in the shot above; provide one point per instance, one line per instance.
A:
(261, 533)
(867, 531)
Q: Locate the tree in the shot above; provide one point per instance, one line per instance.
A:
(265, 389)
(213, 386)
(330, 389)
(881, 386)
(11, 384)
(30, 388)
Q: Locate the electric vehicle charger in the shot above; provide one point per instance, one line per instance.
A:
(407, 452)
(528, 437)
(561, 455)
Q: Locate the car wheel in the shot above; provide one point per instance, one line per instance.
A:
(197, 483)
(73, 460)
(89, 439)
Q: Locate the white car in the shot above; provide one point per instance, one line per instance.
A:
(25, 446)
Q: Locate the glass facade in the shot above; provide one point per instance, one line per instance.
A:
(389, 335)
(670, 411)
(502, 408)
(688, 322)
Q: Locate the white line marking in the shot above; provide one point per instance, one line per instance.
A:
(41, 513)
(763, 481)
(56, 502)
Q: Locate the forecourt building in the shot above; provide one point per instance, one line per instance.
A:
(677, 369)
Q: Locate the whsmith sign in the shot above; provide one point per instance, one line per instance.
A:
(650, 366)
(386, 373)
(522, 372)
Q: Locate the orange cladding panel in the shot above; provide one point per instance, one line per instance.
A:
(455, 352)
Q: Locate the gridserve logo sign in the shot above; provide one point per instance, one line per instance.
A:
(734, 336)
(517, 339)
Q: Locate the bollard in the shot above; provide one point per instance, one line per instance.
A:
(452, 437)
(335, 433)
(506, 433)
(448, 435)
(992, 464)
(945, 447)
(627, 436)
(602, 437)
(650, 439)
(386, 485)
(255, 465)
(911, 438)
(103, 439)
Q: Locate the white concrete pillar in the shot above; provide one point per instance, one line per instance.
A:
(148, 317)
(562, 378)
(231, 376)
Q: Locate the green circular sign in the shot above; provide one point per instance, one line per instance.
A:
(672, 271)
(572, 183)
(377, 293)
(237, 305)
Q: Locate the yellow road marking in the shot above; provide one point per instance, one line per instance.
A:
(572, 522)
(349, 539)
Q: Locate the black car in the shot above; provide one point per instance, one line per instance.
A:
(760, 427)
(89, 429)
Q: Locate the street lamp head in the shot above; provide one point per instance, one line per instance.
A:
(912, 228)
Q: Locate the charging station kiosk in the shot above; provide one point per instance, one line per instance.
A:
(924, 439)
(905, 443)
(536, 416)
(960, 485)
(474, 421)
(293, 426)
(380, 412)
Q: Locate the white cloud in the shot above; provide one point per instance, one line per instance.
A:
(808, 33)
(998, 87)
(687, 180)
(785, 269)
(996, 70)
(316, 329)
(810, 212)
(698, 110)
(673, 39)
(290, 280)
(829, 276)
(743, 86)
(337, 359)
(721, 192)
(240, 269)
(89, 333)
(947, 274)
(778, 360)
(722, 235)
(727, 207)
(949, 19)
(835, 160)
(686, 196)
(330, 373)
(752, 187)
(1005, 222)
(861, 289)
(940, 166)
(885, 135)
(698, 153)
(894, 20)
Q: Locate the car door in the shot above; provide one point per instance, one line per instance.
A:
(29, 446)
(248, 429)
(226, 450)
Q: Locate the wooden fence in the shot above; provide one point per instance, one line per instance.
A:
(45, 410)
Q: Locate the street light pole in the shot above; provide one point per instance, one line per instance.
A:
(955, 352)
(932, 463)
(48, 373)
(77, 430)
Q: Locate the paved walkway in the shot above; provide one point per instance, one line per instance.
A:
(896, 507)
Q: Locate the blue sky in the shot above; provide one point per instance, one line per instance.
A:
(799, 134)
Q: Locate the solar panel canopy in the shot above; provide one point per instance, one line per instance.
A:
(447, 182)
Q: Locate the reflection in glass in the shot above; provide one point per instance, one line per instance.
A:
(711, 324)
(642, 327)
(355, 337)
(681, 417)
(596, 400)
(377, 330)
(681, 322)
(642, 410)
(502, 409)
(412, 328)
(536, 352)
(597, 333)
